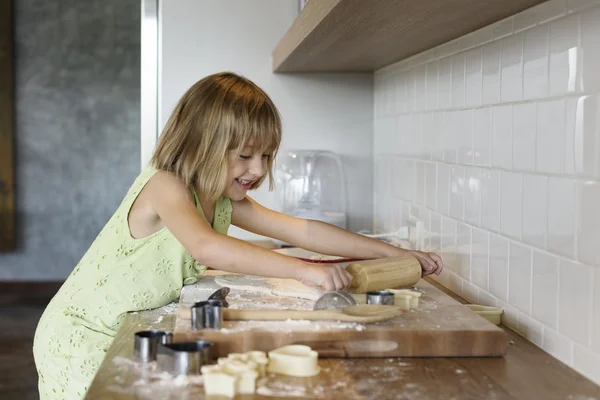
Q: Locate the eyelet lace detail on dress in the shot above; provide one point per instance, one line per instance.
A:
(117, 275)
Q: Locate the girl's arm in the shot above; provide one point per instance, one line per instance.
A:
(321, 237)
(174, 205)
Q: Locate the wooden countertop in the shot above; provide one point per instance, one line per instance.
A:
(526, 372)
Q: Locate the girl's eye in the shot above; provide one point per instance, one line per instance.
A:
(243, 157)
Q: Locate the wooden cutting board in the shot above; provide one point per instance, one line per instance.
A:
(440, 327)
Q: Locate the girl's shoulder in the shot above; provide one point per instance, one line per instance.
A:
(164, 183)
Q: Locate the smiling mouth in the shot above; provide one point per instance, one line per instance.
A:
(244, 183)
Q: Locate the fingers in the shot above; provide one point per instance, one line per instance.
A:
(431, 263)
(438, 261)
(346, 277)
(338, 278)
(428, 265)
(329, 284)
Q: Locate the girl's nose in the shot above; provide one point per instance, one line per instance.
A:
(257, 167)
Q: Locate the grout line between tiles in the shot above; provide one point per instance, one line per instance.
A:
(577, 178)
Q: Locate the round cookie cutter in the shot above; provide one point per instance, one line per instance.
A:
(380, 297)
(145, 344)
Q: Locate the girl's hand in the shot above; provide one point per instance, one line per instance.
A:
(431, 263)
(329, 276)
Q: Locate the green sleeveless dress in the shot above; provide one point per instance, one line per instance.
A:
(117, 275)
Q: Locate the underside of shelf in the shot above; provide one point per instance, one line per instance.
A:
(365, 35)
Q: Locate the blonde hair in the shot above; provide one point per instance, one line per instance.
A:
(219, 113)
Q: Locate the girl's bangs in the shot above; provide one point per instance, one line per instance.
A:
(262, 131)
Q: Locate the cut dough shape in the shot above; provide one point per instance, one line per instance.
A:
(294, 360)
(217, 381)
(257, 357)
(235, 374)
(405, 298)
(276, 287)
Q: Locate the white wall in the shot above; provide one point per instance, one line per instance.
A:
(320, 111)
(494, 141)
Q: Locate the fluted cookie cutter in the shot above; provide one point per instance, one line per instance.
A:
(207, 314)
(146, 343)
(380, 297)
(184, 358)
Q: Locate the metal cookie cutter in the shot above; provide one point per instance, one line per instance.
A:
(221, 294)
(185, 358)
(333, 300)
(384, 298)
(146, 343)
(207, 314)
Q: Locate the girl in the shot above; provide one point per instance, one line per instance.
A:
(219, 142)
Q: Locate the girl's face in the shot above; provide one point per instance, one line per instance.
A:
(245, 168)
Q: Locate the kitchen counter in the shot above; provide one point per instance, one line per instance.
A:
(525, 372)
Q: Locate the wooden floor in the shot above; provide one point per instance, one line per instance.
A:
(21, 305)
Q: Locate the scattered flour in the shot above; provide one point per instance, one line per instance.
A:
(170, 308)
(286, 386)
(147, 381)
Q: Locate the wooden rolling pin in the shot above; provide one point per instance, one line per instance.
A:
(384, 273)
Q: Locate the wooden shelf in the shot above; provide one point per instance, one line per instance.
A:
(365, 35)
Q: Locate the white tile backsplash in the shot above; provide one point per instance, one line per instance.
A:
(535, 214)
(511, 77)
(558, 345)
(457, 191)
(596, 312)
(490, 199)
(561, 216)
(588, 228)
(519, 277)
(473, 77)
(590, 37)
(495, 138)
(480, 250)
(498, 269)
(511, 200)
(482, 125)
(524, 136)
(564, 54)
(502, 134)
(545, 288)
(491, 72)
(473, 196)
(535, 62)
(458, 81)
(575, 301)
(551, 136)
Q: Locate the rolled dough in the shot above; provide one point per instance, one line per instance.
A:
(273, 286)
